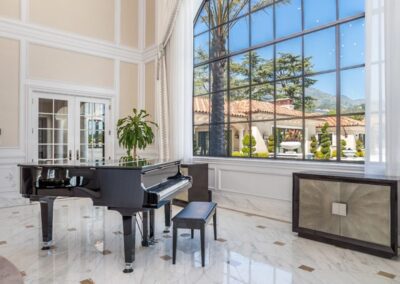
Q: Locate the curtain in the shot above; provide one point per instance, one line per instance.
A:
(175, 66)
(383, 87)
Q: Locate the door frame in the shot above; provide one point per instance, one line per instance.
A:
(72, 96)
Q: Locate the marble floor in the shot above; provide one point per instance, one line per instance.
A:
(250, 249)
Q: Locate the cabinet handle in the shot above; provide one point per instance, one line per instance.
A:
(77, 155)
(70, 155)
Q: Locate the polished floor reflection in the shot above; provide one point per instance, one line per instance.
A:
(88, 249)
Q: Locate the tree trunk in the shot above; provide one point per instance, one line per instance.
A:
(217, 127)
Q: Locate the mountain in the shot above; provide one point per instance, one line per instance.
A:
(325, 102)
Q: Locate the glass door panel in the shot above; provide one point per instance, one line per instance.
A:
(52, 131)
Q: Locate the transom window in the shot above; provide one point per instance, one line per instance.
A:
(279, 80)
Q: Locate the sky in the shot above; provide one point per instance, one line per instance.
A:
(321, 45)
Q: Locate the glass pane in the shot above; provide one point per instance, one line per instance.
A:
(61, 122)
(99, 109)
(353, 91)
(262, 102)
(239, 104)
(219, 140)
(84, 124)
(60, 152)
(201, 80)
(201, 108)
(98, 152)
(60, 136)
(240, 140)
(238, 8)
(219, 73)
(239, 70)
(288, 17)
(201, 48)
(219, 11)
(318, 14)
(262, 65)
(289, 59)
(201, 140)
(320, 142)
(262, 26)
(85, 136)
(84, 151)
(320, 51)
(45, 121)
(202, 23)
(45, 152)
(289, 136)
(45, 106)
(239, 34)
(352, 137)
(257, 4)
(98, 137)
(219, 41)
(289, 101)
(219, 107)
(86, 108)
(60, 107)
(45, 136)
(352, 48)
(320, 94)
(349, 8)
(263, 135)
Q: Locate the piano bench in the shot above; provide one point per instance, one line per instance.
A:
(195, 216)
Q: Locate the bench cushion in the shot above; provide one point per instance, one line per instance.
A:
(196, 210)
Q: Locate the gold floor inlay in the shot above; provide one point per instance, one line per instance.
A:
(166, 257)
(3, 243)
(23, 273)
(278, 243)
(306, 268)
(71, 229)
(386, 274)
(29, 226)
(87, 281)
(86, 217)
(117, 233)
(106, 252)
(255, 215)
(261, 227)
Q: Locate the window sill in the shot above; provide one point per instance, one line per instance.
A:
(282, 164)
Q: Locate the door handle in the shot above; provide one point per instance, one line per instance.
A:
(70, 155)
(77, 155)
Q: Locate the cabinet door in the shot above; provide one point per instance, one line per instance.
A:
(368, 212)
(315, 205)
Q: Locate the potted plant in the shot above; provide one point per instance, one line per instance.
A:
(135, 132)
(292, 140)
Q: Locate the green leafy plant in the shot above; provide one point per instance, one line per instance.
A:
(249, 143)
(325, 151)
(343, 144)
(271, 144)
(313, 145)
(135, 132)
(359, 148)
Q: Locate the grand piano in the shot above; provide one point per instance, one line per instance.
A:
(126, 187)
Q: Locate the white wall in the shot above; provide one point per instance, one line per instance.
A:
(109, 53)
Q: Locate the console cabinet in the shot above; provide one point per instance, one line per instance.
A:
(353, 211)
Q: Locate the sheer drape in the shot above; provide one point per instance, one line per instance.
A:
(383, 86)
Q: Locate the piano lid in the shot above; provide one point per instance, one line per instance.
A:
(139, 164)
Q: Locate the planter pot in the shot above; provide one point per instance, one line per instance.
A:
(349, 153)
(290, 145)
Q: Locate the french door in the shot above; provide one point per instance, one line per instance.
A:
(67, 128)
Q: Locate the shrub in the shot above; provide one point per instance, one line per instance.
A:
(313, 145)
(359, 148)
(236, 154)
(261, 155)
(271, 144)
(343, 147)
(249, 143)
(325, 143)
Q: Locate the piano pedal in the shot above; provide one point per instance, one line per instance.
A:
(166, 230)
(128, 268)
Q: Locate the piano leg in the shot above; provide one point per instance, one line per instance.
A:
(152, 226)
(129, 226)
(167, 213)
(46, 211)
(145, 226)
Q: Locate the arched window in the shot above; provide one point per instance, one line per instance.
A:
(279, 79)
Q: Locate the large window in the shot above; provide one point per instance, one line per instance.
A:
(279, 80)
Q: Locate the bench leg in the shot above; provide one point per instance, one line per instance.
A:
(174, 236)
(202, 239)
(215, 225)
(192, 233)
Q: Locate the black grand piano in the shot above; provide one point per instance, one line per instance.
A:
(127, 187)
